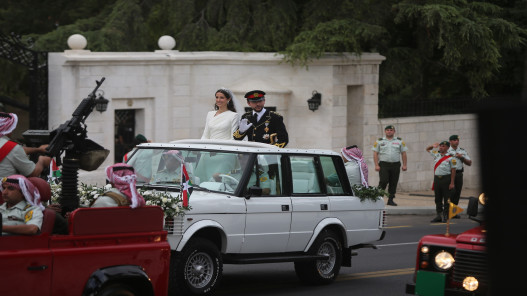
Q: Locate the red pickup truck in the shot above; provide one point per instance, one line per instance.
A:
(107, 251)
(453, 264)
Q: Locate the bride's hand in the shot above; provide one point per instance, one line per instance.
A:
(244, 125)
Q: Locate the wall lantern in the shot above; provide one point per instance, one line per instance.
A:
(101, 103)
(315, 101)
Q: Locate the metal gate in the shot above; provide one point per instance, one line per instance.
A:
(13, 49)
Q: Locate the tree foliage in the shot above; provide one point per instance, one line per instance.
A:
(434, 48)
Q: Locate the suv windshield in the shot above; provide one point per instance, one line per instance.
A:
(217, 171)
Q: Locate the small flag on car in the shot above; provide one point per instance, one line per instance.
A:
(186, 185)
(454, 210)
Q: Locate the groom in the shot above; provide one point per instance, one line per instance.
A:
(260, 124)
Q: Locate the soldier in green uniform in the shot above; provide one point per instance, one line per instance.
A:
(444, 176)
(462, 155)
(387, 154)
(260, 124)
(22, 209)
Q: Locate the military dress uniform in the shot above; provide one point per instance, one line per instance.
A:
(389, 152)
(458, 182)
(269, 129)
(21, 213)
(442, 179)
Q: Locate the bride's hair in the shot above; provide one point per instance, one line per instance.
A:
(228, 94)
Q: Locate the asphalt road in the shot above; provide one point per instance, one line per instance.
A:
(384, 271)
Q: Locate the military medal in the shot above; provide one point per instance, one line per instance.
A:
(265, 136)
(266, 129)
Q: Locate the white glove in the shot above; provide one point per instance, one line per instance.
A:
(244, 125)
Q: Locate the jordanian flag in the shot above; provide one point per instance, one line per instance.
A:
(186, 186)
(54, 170)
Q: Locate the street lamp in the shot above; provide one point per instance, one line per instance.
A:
(315, 101)
(101, 103)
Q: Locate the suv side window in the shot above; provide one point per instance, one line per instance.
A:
(266, 174)
(304, 174)
(333, 184)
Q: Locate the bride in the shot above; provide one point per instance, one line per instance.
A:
(223, 121)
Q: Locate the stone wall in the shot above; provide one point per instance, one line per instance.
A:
(172, 91)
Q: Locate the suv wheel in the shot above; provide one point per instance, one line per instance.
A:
(322, 271)
(197, 269)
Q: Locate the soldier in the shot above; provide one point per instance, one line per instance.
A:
(22, 210)
(260, 124)
(123, 192)
(387, 154)
(444, 175)
(462, 155)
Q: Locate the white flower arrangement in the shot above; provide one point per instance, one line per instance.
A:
(171, 205)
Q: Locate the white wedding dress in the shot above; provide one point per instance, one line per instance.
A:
(221, 126)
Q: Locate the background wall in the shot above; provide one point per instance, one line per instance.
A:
(172, 91)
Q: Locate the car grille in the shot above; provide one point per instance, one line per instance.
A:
(174, 226)
(470, 263)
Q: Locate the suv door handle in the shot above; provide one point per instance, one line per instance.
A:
(324, 207)
(285, 208)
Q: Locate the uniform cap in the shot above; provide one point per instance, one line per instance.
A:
(255, 95)
(140, 138)
(454, 137)
(389, 127)
(447, 143)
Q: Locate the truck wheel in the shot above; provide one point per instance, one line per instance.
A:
(197, 269)
(118, 290)
(322, 271)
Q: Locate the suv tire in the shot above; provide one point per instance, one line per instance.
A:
(320, 272)
(197, 269)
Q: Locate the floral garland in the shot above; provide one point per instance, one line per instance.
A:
(372, 193)
(172, 206)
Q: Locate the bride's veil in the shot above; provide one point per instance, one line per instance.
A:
(237, 105)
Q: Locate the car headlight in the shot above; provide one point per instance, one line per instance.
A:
(482, 199)
(444, 260)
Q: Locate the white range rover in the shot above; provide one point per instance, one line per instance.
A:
(256, 203)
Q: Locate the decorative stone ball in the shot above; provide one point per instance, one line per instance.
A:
(77, 41)
(166, 42)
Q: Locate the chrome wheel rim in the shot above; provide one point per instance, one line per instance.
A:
(199, 270)
(325, 267)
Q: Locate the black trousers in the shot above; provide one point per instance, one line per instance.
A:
(389, 176)
(442, 193)
(458, 185)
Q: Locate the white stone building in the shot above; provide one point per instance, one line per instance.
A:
(170, 93)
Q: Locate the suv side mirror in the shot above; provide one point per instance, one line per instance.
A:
(254, 191)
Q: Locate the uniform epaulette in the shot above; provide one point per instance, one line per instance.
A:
(274, 112)
(379, 139)
(27, 206)
(398, 138)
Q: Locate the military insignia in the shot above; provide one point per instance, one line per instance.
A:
(256, 95)
(454, 161)
(263, 179)
(29, 215)
(265, 136)
(375, 145)
(266, 129)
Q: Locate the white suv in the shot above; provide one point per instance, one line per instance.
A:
(256, 203)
